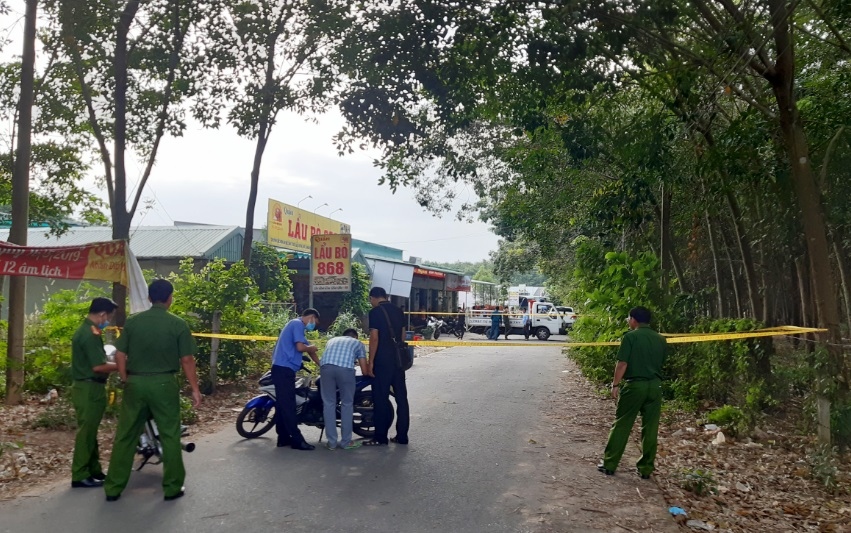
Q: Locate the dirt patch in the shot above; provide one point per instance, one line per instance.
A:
(576, 497)
(33, 460)
(764, 484)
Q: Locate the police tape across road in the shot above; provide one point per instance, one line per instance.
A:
(673, 338)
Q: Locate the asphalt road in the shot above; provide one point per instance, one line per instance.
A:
(465, 470)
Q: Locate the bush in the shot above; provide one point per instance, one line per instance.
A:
(698, 481)
(344, 321)
(60, 415)
(188, 415)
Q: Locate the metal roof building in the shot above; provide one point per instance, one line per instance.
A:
(153, 242)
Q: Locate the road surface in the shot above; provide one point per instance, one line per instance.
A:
(475, 463)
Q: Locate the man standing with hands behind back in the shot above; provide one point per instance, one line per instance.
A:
(637, 386)
(89, 369)
(152, 348)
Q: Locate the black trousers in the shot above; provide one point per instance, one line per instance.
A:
(387, 375)
(286, 423)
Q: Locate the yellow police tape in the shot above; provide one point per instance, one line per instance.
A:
(673, 338)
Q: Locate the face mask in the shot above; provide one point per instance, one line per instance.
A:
(311, 326)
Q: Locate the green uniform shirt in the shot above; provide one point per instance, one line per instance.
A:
(87, 351)
(154, 341)
(643, 350)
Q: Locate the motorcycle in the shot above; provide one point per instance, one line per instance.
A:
(448, 327)
(258, 415)
(437, 326)
(150, 446)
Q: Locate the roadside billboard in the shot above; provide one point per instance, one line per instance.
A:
(291, 228)
(330, 263)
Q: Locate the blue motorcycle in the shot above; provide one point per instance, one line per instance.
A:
(258, 415)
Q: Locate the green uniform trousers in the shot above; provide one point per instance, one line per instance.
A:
(89, 400)
(635, 397)
(145, 397)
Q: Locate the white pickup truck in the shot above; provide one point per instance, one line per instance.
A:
(545, 320)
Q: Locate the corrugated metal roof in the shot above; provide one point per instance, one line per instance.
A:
(153, 241)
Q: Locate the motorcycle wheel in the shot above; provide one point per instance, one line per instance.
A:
(253, 422)
(436, 334)
(363, 421)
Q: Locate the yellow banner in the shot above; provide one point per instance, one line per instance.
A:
(291, 228)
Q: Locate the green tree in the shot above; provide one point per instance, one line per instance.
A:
(356, 302)
(265, 57)
(130, 72)
(270, 273)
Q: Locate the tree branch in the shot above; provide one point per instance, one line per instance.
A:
(106, 158)
(833, 29)
(173, 63)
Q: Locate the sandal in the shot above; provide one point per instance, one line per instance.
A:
(396, 440)
(374, 443)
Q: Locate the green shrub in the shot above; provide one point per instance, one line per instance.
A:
(188, 415)
(344, 321)
(698, 481)
(60, 415)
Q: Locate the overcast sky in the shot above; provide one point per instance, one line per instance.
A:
(204, 177)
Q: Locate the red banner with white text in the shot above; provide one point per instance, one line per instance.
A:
(105, 261)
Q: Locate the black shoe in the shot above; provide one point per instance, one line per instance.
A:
(398, 440)
(87, 483)
(175, 496)
(283, 443)
(303, 446)
(603, 469)
(112, 498)
(643, 476)
(99, 477)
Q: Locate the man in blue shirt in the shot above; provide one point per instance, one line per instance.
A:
(286, 361)
(337, 371)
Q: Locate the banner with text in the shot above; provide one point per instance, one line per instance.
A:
(291, 228)
(330, 263)
(105, 261)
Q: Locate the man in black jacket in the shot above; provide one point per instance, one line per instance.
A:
(386, 324)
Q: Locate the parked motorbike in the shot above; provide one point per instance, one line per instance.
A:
(455, 327)
(437, 325)
(258, 415)
(150, 446)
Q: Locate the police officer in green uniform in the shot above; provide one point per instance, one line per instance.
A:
(637, 386)
(153, 346)
(89, 369)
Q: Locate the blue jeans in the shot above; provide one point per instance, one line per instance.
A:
(332, 377)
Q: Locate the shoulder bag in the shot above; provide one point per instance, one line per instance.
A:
(404, 353)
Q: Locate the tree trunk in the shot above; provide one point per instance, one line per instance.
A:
(842, 267)
(665, 237)
(214, 350)
(782, 80)
(734, 276)
(262, 137)
(121, 219)
(744, 245)
(20, 210)
(716, 266)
